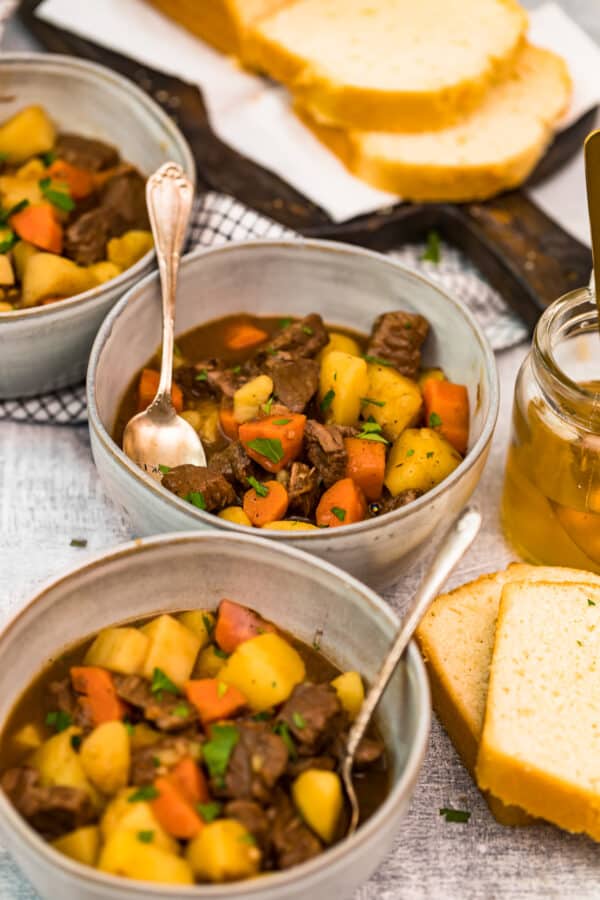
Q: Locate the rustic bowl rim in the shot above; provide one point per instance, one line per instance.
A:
(102, 75)
(213, 521)
(311, 870)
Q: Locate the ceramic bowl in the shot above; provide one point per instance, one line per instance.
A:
(303, 595)
(348, 286)
(47, 347)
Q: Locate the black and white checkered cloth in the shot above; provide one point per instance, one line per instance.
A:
(218, 219)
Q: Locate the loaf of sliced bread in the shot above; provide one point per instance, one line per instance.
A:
(540, 746)
(456, 638)
(388, 65)
(493, 148)
(221, 23)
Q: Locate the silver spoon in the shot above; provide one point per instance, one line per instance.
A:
(456, 542)
(158, 436)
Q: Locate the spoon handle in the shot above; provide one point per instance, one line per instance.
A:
(456, 542)
(169, 196)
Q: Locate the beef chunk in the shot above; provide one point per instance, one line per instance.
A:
(164, 709)
(123, 200)
(398, 337)
(157, 759)
(388, 504)
(87, 236)
(187, 479)
(303, 490)
(252, 817)
(52, 811)
(258, 760)
(297, 766)
(314, 715)
(293, 842)
(192, 388)
(234, 464)
(305, 339)
(324, 445)
(86, 153)
(62, 697)
(295, 381)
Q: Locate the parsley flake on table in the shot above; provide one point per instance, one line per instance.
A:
(455, 815)
(270, 448)
(59, 720)
(78, 542)
(219, 748)
(146, 792)
(434, 420)
(261, 489)
(338, 512)
(209, 811)
(196, 498)
(161, 682)
(590, 602)
(432, 251)
(327, 400)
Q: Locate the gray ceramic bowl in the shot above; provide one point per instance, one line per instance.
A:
(47, 347)
(348, 286)
(299, 593)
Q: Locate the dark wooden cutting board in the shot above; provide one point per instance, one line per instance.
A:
(523, 253)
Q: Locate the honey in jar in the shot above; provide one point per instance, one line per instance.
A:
(551, 502)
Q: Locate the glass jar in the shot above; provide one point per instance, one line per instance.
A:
(551, 502)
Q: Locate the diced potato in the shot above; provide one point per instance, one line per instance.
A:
(433, 373)
(290, 525)
(21, 254)
(341, 342)
(105, 757)
(224, 851)
(32, 169)
(13, 190)
(248, 399)
(28, 133)
(122, 815)
(7, 276)
(343, 382)
(142, 735)
(29, 737)
(103, 271)
(48, 275)
(83, 844)
(5, 306)
(173, 649)
(126, 855)
(201, 622)
(204, 419)
(122, 650)
(209, 663)
(236, 515)
(124, 251)
(59, 764)
(265, 669)
(401, 397)
(319, 799)
(419, 459)
(350, 691)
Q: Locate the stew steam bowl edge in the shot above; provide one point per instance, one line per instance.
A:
(303, 595)
(348, 286)
(47, 347)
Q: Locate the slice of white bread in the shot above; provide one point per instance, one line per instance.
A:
(492, 149)
(388, 65)
(540, 746)
(456, 638)
(221, 23)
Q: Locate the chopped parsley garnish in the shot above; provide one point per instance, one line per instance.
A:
(266, 407)
(368, 401)
(59, 720)
(410, 453)
(156, 762)
(222, 689)
(59, 198)
(338, 512)
(196, 498)
(371, 431)
(76, 741)
(17, 208)
(146, 837)
(430, 454)
(327, 400)
(78, 542)
(236, 370)
(182, 710)
(217, 751)
(261, 489)
(270, 448)
(283, 731)
(285, 323)
(146, 792)
(261, 717)
(209, 811)
(164, 469)
(307, 330)
(9, 241)
(455, 815)
(208, 624)
(299, 720)
(579, 644)
(48, 158)
(177, 350)
(202, 375)
(377, 360)
(162, 682)
(129, 727)
(434, 420)
(432, 248)
(220, 653)
(282, 421)
(247, 839)
(3, 156)
(590, 602)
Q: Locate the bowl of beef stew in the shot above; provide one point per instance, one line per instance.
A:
(175, 727)
(77, 143)
(349, 413)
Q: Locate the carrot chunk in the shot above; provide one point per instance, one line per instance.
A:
(148, 387)
(229, 426)
(189, 779)
(99, 692)
(447, 411)
(174, 813)
(266, 507)
(342, 504)
(243, 335)
(37, 224)
(236, 624)
(214, 699)
(274, 441)
(366, 465)
(80, 182)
